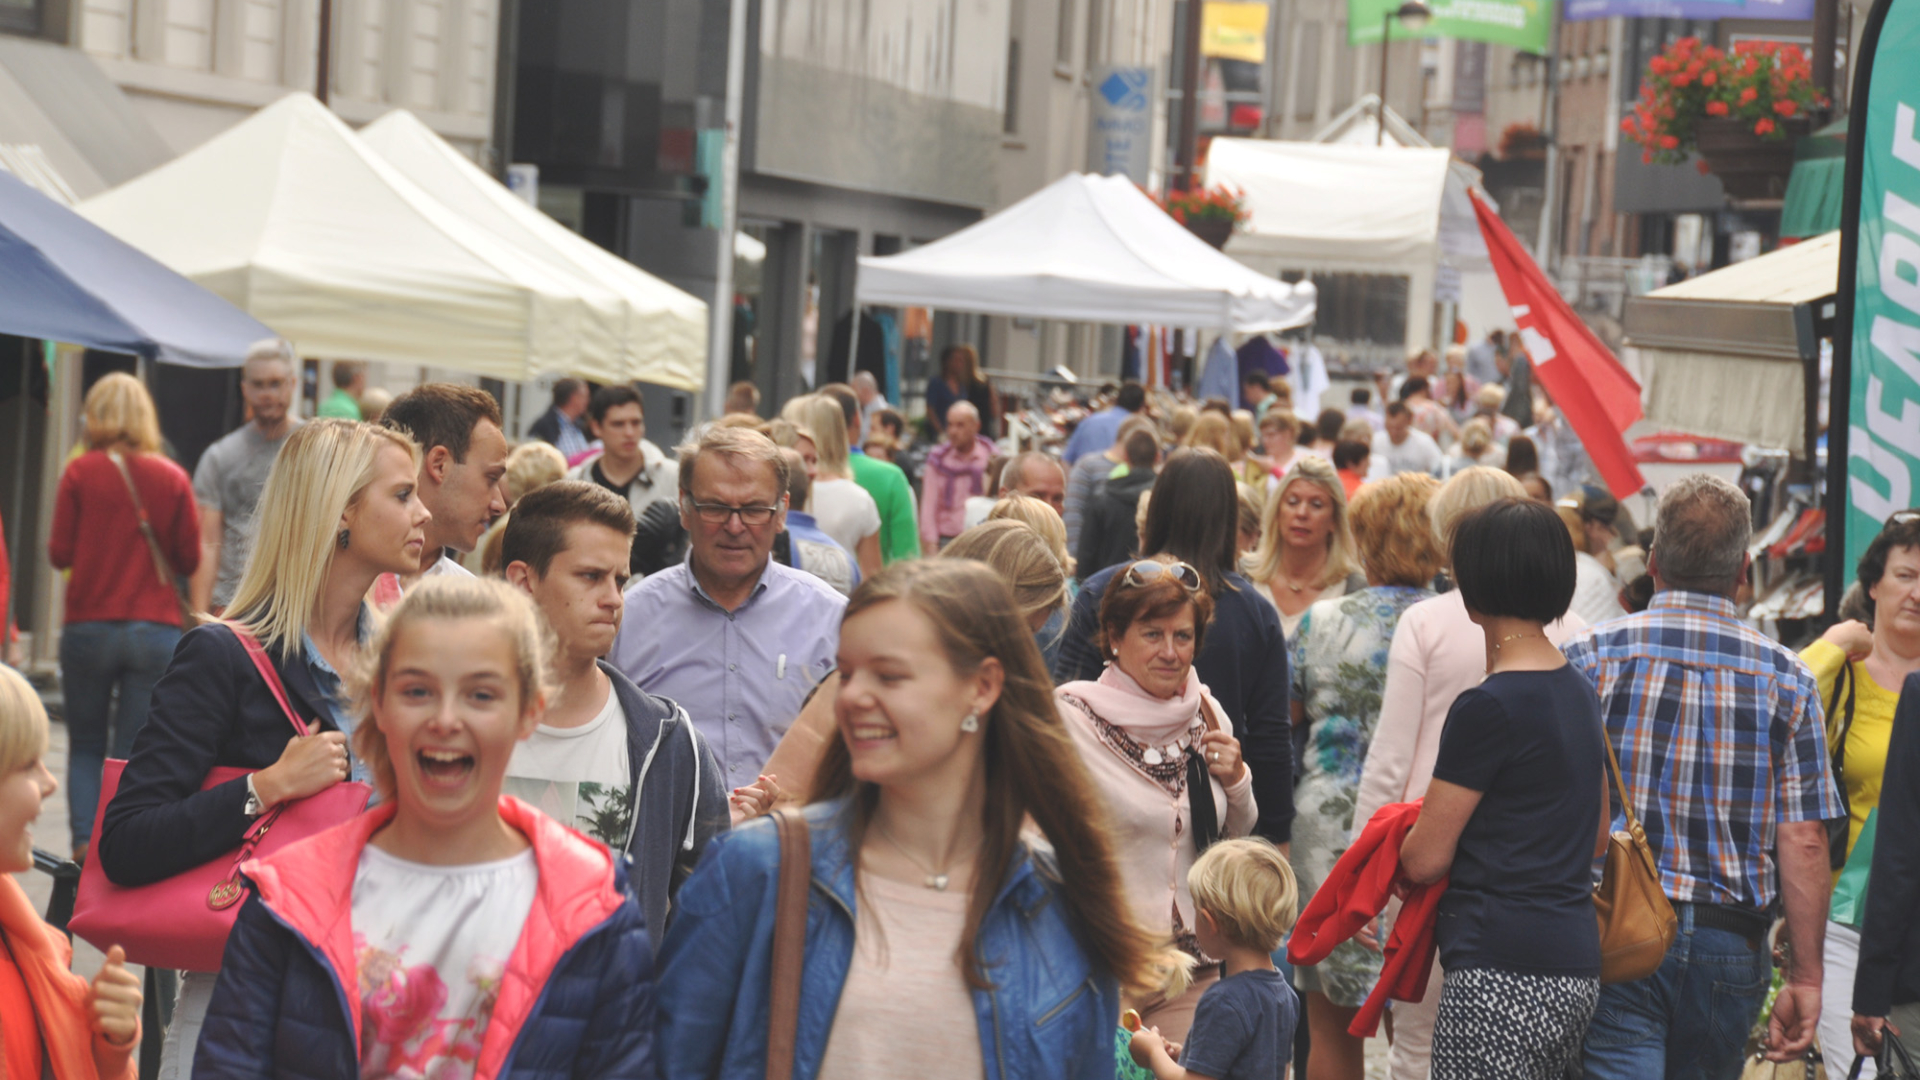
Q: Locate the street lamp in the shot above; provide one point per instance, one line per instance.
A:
(1413, 15)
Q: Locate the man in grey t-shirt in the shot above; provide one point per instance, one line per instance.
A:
(231, 473)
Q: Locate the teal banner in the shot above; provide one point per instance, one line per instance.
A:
(1523, 24)
(1882, 273)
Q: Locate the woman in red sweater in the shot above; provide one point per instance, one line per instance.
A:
(122, 617)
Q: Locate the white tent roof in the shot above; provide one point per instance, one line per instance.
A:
(1089, 249)
(289, 216)
(1317, 206)
(643, 327)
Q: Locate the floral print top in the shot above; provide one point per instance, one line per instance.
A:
(432, 943)
(1339, 664)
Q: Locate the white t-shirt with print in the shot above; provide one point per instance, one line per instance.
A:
(579, 776)
(432, 943)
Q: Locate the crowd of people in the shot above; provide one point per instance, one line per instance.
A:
(1062, 745)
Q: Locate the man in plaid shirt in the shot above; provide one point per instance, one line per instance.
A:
(1724, 754)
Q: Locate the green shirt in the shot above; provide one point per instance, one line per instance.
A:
(340, 406)
(899, 524)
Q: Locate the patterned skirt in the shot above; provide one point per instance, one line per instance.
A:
(1502, 1025)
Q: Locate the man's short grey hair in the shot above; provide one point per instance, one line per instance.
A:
(1700, 535)
(964, 408)
(1016, 469)
(865, 379)
(744, 446)
(272, 349)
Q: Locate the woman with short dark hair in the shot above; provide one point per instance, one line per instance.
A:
(1148, 731)
(1193, 515)
(1512, 816)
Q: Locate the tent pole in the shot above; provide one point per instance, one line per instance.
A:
(322, 80)
(19, 490)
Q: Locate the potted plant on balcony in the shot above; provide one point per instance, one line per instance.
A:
(1741, 109)
(1209, 213)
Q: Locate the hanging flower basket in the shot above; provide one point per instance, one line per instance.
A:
(1740, 109)
(1210, 214)
(1749, 166)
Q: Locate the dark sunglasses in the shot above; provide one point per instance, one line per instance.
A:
(1146, 571)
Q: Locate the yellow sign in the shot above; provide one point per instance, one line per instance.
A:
(1233, 30)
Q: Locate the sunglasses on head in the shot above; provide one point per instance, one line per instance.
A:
(1904, 517)
(1146, 571)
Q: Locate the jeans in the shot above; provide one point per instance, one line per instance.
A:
(1687, 1021)
(96, 660)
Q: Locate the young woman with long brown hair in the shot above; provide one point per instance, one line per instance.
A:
(936, 934)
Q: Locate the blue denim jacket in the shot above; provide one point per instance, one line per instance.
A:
(1049, 1014)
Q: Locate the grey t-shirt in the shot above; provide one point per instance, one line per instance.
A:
(229, 479)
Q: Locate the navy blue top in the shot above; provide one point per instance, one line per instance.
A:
(1242, 1028)
(1521, 893)
(1243, 664)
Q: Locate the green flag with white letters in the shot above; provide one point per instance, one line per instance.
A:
(1880, 274)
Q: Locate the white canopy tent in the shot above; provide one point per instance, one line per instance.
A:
(293, 219)
(642, 327)
(1086, 249)
(1347, 206)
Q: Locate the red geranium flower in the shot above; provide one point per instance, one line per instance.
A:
(1785, 107)
(1716, 108)
(1763, 126)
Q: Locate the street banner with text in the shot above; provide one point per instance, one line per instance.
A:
(1523, 24)
(1880, 279)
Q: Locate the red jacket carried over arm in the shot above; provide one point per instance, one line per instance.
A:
(1357, 890)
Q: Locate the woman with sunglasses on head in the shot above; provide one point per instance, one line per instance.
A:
(1339, 674)
(1861, 667)
(1148, 731)
(1193, 515)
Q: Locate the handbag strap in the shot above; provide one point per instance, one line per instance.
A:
(789, 941)
(261, 663)
(1844, 678)
(1206, 821)
(1619, 785)
(161, 567)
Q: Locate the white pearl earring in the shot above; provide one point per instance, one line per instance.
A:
(971, 724)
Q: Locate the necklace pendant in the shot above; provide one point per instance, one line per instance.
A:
(1151, 755)
(937, 882)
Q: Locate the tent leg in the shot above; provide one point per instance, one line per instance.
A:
(853, 343)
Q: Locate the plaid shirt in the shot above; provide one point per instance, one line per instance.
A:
(1720, 738)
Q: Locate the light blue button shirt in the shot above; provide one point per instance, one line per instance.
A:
(741, 675)
(333, 690)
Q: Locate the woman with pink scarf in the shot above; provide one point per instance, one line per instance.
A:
(1149, 733)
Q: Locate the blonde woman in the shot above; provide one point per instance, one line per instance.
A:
(122, 608)
(339, 509)
(841, 506)
(1035, 514)
(77, 1030)
(1305, 552)
(1438, 653)
(467, 933)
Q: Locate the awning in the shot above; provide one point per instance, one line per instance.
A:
(65, 128)
(1725, 354)
(1814, 189)
(63, 278)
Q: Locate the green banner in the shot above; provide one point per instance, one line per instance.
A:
(1883, 414)
(1523, 24)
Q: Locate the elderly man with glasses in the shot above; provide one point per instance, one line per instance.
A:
(733, 636)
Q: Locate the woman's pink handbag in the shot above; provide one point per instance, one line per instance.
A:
(183, 921)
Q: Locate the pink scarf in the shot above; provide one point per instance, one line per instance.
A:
(1148, 720)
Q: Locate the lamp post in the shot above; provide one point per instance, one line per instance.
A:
(1414, 16)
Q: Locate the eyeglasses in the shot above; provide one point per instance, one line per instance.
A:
(717, 513)
(1147, 571)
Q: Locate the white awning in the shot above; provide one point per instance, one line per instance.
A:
(1086, 249)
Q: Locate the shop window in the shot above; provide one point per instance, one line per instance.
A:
(21, 16)
(1361, 308)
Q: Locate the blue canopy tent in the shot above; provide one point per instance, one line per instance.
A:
(63, 278)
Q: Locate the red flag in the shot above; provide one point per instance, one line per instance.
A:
(1587, 384)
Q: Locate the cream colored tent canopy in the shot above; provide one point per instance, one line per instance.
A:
(296, 221)
(649, 330)
(1719, 355)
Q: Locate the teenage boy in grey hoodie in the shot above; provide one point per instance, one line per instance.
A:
(609, 759)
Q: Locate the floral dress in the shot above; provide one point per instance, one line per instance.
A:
(1339, 661)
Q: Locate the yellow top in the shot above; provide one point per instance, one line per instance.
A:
(1866, 757)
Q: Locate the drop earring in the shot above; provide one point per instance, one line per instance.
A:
(344, 533)
(971, 724)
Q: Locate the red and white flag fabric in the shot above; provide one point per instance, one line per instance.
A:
(1589, 387)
